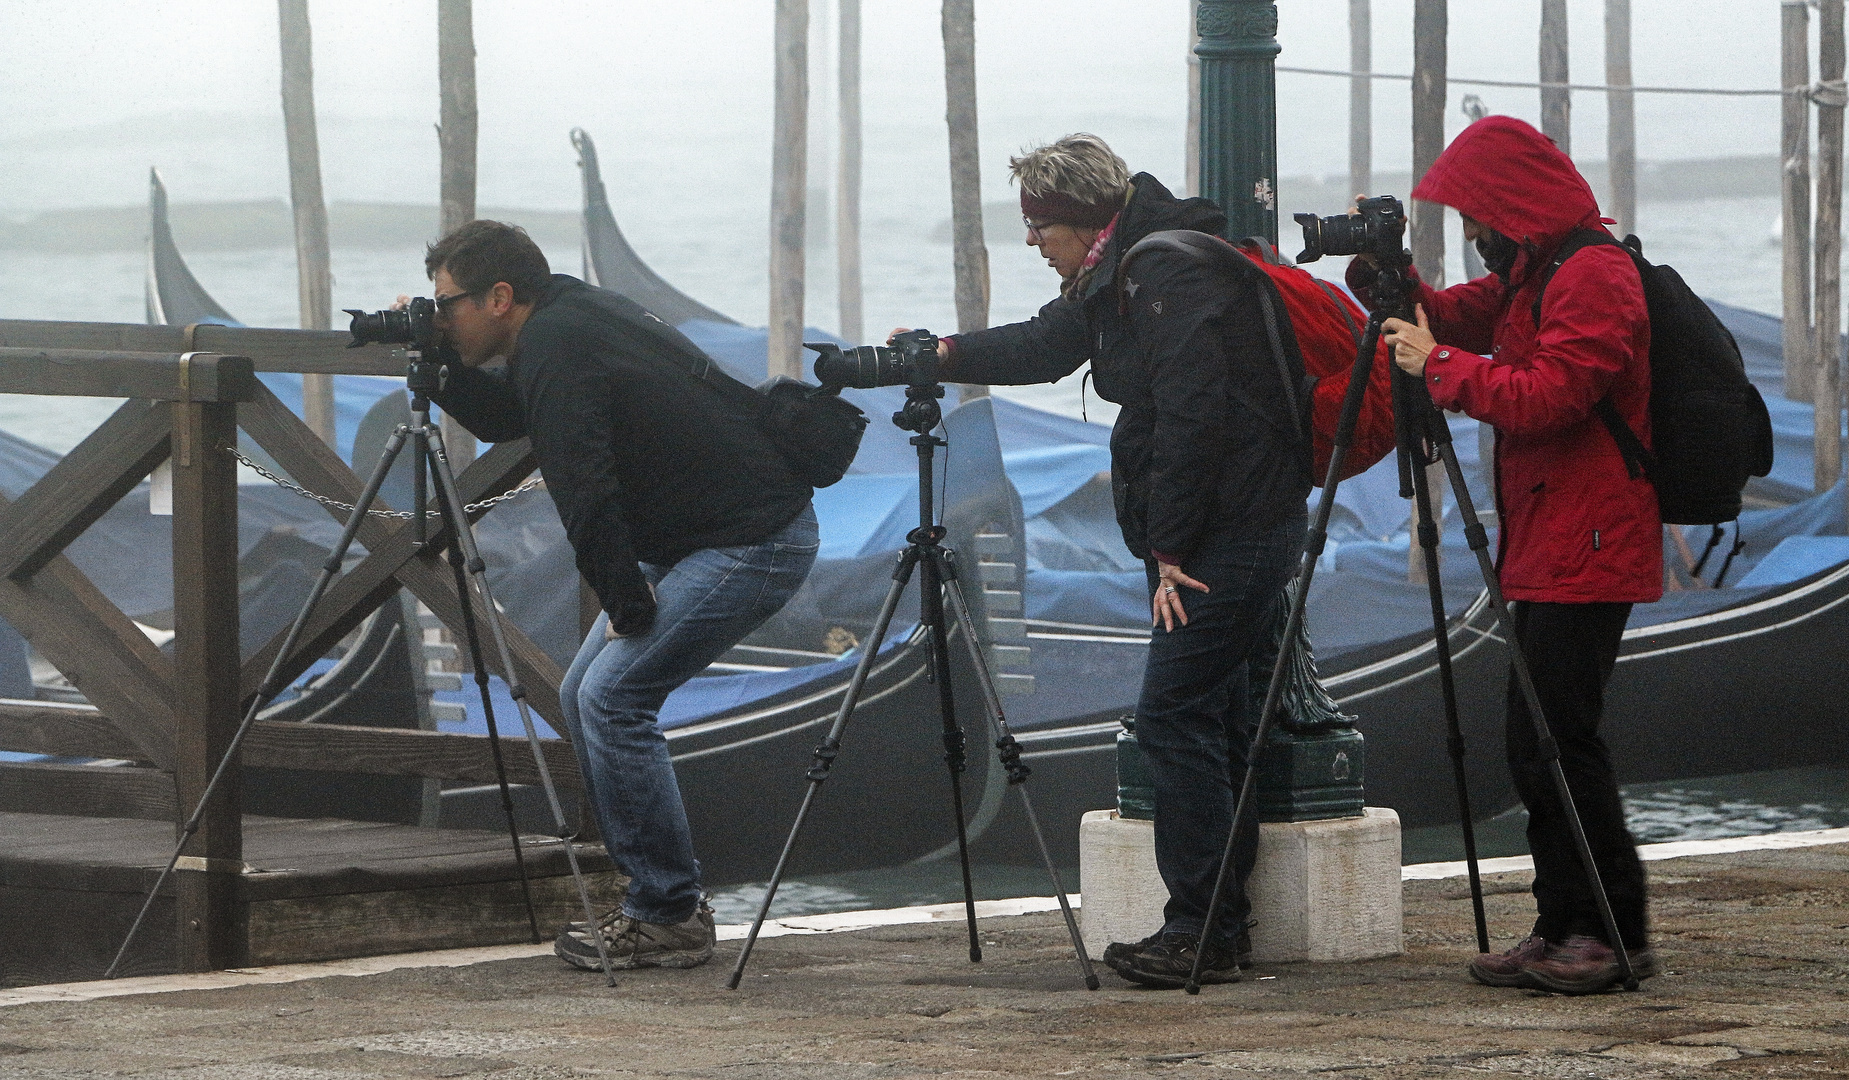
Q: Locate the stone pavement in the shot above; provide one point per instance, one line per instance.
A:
(1755, 946)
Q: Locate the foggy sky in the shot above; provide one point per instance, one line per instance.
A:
(687, 85)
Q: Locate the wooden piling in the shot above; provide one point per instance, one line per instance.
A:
(1795, 189)
(211, 930)
(970, 255)
(314, 274)
(1621, 116)
(1430, 21)
(847, 175)
(456, 136)
(1556, 101)
(1193, 137)
(788, 187)
(1361, 97)
(1827, 387)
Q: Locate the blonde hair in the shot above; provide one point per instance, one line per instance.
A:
(1081, 166)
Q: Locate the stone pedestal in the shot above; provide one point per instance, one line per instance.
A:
(1323, 890)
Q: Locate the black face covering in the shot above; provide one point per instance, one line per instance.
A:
(1498, 252)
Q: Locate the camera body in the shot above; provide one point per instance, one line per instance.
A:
(414, 325)
(911, 360)
(1378, 228)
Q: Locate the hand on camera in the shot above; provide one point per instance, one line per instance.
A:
(1411, 344)
(943, 347)
(401, 303)
(1165, 606)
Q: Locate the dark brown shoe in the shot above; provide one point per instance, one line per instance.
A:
(1509, 968)
(1578, 965)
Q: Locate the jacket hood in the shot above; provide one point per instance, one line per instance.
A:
(1153, 208)
(1512, 178)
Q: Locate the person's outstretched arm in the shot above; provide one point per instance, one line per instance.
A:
(1045, 348)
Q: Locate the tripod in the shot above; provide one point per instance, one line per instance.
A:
(423, 378)
(1423, 433)
(925, 551)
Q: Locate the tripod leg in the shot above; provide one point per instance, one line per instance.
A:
(1544, 735)
(932, 595)
(473, 635)
(269, 688)
(1441, 639)
(1010, 753)
(464, 536)
(827, 750)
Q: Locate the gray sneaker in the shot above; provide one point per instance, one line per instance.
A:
(633, 943)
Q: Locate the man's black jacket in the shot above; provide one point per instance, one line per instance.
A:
(645, 461)
(1206, 442)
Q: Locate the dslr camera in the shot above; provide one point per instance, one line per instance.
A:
(414, 325)
(910, 360)
(1378, 228)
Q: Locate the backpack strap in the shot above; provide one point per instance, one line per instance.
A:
(1336, 299)
(1213, 251)
(1639, 462)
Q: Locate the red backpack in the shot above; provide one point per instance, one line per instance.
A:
(1328, 327)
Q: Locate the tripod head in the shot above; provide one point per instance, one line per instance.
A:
(921, 411)
(426, 373)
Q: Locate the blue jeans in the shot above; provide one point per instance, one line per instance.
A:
(1195, 722)
(705, 604)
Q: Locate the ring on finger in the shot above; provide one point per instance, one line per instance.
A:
(1168, 588)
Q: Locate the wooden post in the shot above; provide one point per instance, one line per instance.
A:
(789, 169)
(212, 931)
(1794, 176)
(1827, 388)
(847, 175)
(1621, 116)
(456, 132)
(1360, 97)
(1193, 147)
(1430, 21)
(1556, 101)
(970, 256)
(314, 277)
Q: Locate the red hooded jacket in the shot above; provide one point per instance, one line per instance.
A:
(1575, 527)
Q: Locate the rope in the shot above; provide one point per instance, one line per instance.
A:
(1711, 91)
(402, 515)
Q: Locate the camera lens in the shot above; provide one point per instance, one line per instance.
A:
(863, 368)
(415, 324)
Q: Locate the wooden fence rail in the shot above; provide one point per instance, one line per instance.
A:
(189, 390)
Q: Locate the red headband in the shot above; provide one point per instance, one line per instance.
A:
(1058, 208)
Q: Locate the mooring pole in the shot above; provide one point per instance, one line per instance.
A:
(970, 256)
(789, 166)
(1193, 136)
(1360, 97)
(847, 175)
(1239, 121)
(1621, 116)
(1557, 100)
(456, 134)
(1430, 25)
(314, 275)
(1794, 185)
(1827, 389)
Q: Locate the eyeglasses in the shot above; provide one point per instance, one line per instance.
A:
(1037, 231)
(444, 303)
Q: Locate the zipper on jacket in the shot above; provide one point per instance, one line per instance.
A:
(1595, 539)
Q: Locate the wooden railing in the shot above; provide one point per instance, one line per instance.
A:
(189, 391)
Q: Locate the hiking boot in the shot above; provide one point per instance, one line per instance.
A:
(1578, 965)
(1167, 962)
(1509, 968)
(617, 896)
(633, 943)
(1118, 951)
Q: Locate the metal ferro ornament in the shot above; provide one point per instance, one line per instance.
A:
(1239, 128)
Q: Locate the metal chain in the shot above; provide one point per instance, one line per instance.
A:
(402, 515)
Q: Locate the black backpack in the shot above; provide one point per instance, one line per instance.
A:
(1709, 427)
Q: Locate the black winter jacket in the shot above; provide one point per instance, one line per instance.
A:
(645, 461)
(1206, 443)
